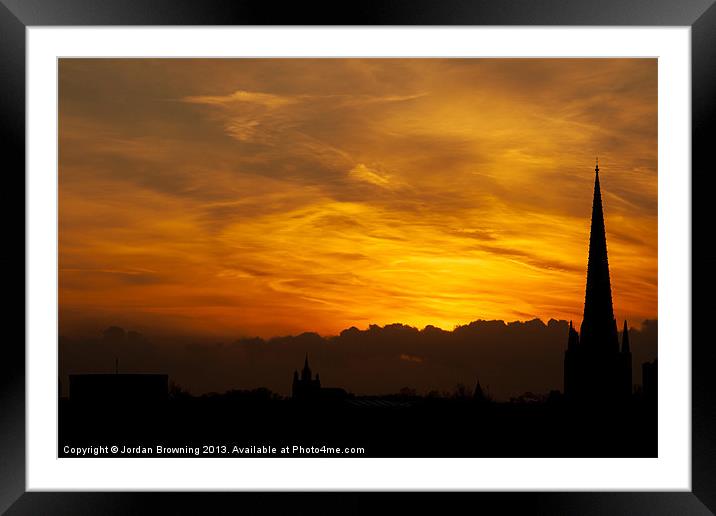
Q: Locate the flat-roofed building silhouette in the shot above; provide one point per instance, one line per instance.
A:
(119, 388)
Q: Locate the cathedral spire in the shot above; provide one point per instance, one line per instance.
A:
(598, 328)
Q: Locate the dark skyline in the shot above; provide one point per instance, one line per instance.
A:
(510, 357)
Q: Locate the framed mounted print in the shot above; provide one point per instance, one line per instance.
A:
(455, 255)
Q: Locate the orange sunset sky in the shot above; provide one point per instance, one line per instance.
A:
(245, 197)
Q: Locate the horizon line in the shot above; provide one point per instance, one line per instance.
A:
(370, 326)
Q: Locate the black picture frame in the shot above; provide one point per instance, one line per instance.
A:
(17, 15)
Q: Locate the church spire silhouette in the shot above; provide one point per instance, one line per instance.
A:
(594, 367)
(306, 386)
(599, 328)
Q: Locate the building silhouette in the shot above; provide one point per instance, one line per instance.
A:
(118, 388)
(307, 388)
(596, 367)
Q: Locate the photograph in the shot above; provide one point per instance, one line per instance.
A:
(303, 258)
(357, 257)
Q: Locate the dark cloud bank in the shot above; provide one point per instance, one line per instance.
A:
(512, 358)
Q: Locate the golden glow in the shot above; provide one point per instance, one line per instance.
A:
(275, 196)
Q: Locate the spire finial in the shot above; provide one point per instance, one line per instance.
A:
(596, 168)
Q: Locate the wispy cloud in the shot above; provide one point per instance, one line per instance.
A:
(362, 173)
(275, 196)
(267, 100)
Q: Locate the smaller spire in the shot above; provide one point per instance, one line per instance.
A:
(479, 394)
(306, 372)
(625, 339)
(596, 168)
(573, 337)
